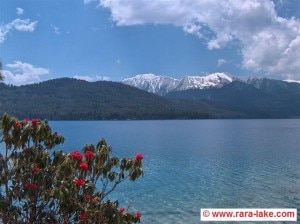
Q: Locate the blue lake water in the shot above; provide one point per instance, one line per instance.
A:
(196, 164)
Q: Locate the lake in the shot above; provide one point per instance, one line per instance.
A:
(193, 164)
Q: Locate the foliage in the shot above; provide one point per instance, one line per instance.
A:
(38, 186)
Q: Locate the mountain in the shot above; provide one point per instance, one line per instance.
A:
(215, 80)
(162, 85)
(290, 80)
(152, 83)
(72, 99)
(258, 98)
(276, 88)
(287, 94)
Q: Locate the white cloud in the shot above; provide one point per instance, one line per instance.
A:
(20, 11)
(23, 25)
(20, 73)
(56, 30)
(18, 24)
(221, 61)
(3, 33)
(92, 79)
(268, 43)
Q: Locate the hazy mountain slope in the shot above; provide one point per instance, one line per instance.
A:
(286, 93)
(243, 97)
(277, 88)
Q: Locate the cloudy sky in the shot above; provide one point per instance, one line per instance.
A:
(113, 40)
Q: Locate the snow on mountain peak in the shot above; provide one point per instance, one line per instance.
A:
(220, 75)
(290, 80)
(146, 76)
(215, 80)
(152, 83)
(163, 84)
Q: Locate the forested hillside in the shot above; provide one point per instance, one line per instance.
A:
(72, 99)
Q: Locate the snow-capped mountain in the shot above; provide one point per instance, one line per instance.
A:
(163, 84)
(215, 80)
(292, 81)
(152, 83)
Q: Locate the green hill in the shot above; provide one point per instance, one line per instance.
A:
(72, 99)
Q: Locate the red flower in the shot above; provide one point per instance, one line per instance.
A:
(31, 185)
(121, 210)
(84, 166)
(26, 120)
(89, 154)
(17, 125)
(34, 121)
(138, 215)
(79, 182)
(139, 156)
(83, 216)
(88, 196)
(36, 169)
(76, 155)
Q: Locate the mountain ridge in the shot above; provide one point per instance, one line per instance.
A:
(266, 98)
(152, 83)
(162, 85)
(73, 99)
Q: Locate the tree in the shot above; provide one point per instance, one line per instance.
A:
(38, 186)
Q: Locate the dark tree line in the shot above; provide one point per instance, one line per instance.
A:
(71, 99)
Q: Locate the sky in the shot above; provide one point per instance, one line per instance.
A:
(116, 39)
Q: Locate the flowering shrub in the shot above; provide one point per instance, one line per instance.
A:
(40, 186)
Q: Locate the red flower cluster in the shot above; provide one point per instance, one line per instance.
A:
(17, 125)
(88, 196)
(83, 216)
(76, 155)
(34, 121)
(79, 182)
(84, 166)
(36, 169)
(121, 210)
(26, 120)
(138, 215)
(31, 185)
(89, 154)
(139, 156)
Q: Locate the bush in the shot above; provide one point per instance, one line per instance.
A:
(43, 186)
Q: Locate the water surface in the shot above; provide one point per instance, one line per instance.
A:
(197, 164)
